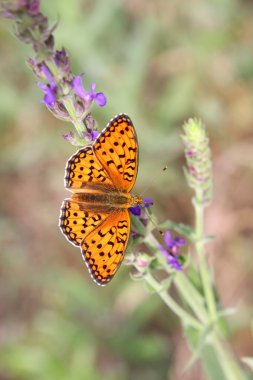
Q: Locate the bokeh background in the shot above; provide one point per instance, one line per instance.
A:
(161, 62)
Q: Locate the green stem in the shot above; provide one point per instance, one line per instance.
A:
(168, 300)
(191, 296)
(200, 249)
(184, 286)
(229, 365)
(71, 111)
(230, 368)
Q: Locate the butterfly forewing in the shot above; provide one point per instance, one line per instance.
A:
(117, 150)
(84, 168)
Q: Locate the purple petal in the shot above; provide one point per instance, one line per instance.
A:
(135, 210)
(49, 97)
(42, 86)
(174, 263)
(147, 202)
(163, 251)
(78, 87)
(171, 260)
(94, 135)
(48, 75)
(92, 88)
(100, 99)
(91, 136)
(34, 7)
(168, 239)
(178, 241)
(70, 137)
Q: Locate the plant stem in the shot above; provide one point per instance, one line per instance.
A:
(200, 249)
(186, 318)
(191, 296)
(229, 365)
(189, 293)
(67, 101)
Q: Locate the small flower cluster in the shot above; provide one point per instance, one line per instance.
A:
(64, 93)
(172, 250)
(198, 156)
(173, 245)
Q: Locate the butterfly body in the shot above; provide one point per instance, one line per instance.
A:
(96, 218)
(110, 200)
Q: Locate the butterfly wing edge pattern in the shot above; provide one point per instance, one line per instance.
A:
(112, 251)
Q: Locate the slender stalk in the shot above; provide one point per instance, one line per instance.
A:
(189, 293)
(168, 300)
(229, 365)
(191, 296)
(200, 249)
(71, 110)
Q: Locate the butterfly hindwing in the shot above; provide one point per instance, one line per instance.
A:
(76, 222)
(117, 150)
(103, 249)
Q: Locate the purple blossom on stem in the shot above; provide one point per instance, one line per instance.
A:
(171, 252)
(136, 210)
(49, 94)
(50, 89)
(34, 7)
(91, 136)
(70, 137)
(64, 93)
(79, 90)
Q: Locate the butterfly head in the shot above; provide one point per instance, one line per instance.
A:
(136, 200)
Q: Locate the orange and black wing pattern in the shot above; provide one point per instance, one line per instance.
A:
(117, 150)
(103, 249)
(101, 230)
(83, 169)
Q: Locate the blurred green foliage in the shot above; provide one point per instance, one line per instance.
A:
(160, 62)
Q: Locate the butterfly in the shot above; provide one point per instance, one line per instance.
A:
(96, 218)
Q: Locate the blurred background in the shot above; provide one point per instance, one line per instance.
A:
(161, 62)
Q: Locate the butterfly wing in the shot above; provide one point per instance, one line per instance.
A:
(76, 222)
(117, 150)
(110, 164)
(83, 169)
(103, 249)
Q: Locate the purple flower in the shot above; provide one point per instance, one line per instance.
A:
(62, 61)
(47, 74)
(171, 252)
(70, 137)
(49, 89)
(49, 97)
(91, 136)
(16, 7)
(99, 97)
(34, 7)
(136, 210)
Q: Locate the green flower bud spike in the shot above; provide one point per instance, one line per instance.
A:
(198, 158)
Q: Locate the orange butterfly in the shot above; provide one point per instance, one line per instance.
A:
(96, 218)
